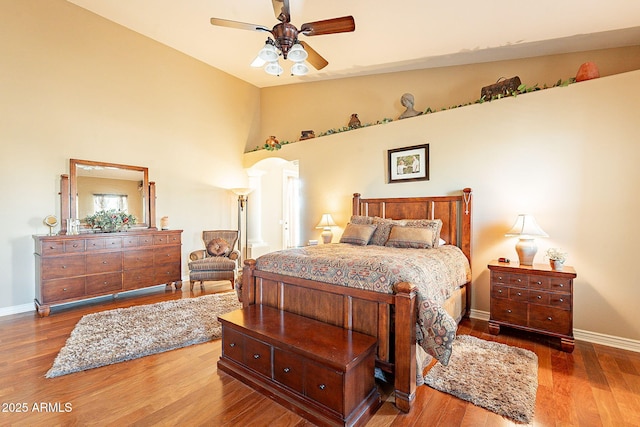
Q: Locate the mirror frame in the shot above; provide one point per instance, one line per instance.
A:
(69, 193)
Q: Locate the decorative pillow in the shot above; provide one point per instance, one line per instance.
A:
(410, 237)
(357, 234)
(383, 229)
(435, 225)
(218, 247)
(360, 219)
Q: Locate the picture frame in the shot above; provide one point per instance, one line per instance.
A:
(408, 163)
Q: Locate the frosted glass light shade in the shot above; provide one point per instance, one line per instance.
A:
(273, 68)
(299, 69)
(268, 53)
(297, 53)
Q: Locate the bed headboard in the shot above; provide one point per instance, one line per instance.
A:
(454, 211)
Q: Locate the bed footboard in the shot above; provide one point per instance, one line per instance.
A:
(391, 318)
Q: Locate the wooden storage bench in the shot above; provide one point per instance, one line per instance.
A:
(322, 372)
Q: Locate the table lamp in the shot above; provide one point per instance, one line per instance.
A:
(326, 222)
(526, 228)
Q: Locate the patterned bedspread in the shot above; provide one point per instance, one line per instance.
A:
(435, 272)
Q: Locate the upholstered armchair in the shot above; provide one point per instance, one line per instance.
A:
(218, 261)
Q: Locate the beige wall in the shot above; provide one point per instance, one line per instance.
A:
(567, 155)
(74, 85)
(320, 106)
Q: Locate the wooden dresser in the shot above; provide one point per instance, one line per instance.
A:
(75, 267)
(322, 372)
(533, 298)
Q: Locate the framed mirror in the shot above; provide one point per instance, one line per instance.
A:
(96, 186)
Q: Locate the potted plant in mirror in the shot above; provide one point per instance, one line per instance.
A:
(557, 257)
(109, 221)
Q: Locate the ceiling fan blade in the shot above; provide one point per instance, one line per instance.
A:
(281, 10)
(240, 25)
(314, 57)
(329, 26)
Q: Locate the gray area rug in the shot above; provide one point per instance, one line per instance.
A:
(497, 377)
(114, 336)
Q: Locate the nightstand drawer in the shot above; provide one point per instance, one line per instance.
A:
(518, 294)
(550, 319)
(499, 291)
(509, 311)
(499, 278)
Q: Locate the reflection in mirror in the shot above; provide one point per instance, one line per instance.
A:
(97, 186)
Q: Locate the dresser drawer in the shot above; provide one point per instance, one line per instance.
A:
(519, 280)
(104, 283)
(257, 356)
(61, 267)
(518, 294)
(60, 290)
(138, 259)
(539, 282)
(168, 255)
(550, 319)
(499, 278)
(130, 241)
(167, 273)
(324, 385)
(288, 369)
(104, 262)
(499, 291)
(558, 284)
(138, 278)
(146, 240)
(505, 310)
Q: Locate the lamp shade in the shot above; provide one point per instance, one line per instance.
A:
(526, 226)
(326, 221)
(273, 68)
(297, 53)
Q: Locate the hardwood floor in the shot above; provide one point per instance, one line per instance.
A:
(593, 386)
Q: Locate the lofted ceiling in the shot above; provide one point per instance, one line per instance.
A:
(389, 36)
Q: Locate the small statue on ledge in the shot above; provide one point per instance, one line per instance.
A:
(354, 121)
(407, 101)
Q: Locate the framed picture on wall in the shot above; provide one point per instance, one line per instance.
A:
(409, 163)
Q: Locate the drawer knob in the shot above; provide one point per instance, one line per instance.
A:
(561, 299)
(539, 296)
(500, 291)
(549, 318)
(499, 277)
(562, 285)
(104, 262)
(256, 356)
(509, 311)
(538, 282)
(286, 370)
(519, 280)
(519, 294)
(64, 266)
(232, 344)
(75, 245)
(322, 386)
(64, 289)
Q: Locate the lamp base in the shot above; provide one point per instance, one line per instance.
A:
(327, 236)
(526, 249)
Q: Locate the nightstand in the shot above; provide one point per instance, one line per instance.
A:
(533, 298)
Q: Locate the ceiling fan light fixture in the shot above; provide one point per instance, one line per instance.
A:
(299, 69)
(273, 68)
(297, 53)
(268, 53)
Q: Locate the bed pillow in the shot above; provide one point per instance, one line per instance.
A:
(383, 229)
(361, 219)
(410, 237)
(435, 225)
(218, 247)
(357, 234)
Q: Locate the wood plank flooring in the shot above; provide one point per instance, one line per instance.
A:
(593, 386)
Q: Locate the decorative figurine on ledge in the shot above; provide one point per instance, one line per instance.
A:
(407, 101)
(354, 122)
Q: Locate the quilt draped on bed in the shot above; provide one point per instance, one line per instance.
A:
(436, 273)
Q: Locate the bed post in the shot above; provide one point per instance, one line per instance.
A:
(405, 345)
(356, 204)
(248, 283)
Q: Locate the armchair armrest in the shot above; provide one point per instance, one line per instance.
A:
(196, 255)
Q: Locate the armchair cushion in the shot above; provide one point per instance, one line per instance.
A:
(218, 247)
(215, 263)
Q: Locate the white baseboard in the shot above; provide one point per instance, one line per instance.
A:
(17, 309)
(581, 335)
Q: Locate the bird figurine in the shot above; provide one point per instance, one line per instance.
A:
(354, 122)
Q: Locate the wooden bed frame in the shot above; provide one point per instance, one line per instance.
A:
(391, 318)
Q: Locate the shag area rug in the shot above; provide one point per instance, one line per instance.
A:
(114, 336)
(497, 377)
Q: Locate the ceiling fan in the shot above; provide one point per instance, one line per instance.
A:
(285, 39)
